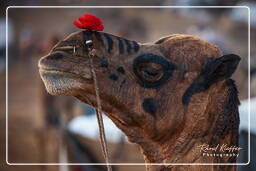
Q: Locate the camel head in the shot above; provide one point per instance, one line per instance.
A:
(159, 94)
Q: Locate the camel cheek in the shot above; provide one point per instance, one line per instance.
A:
(149, 106)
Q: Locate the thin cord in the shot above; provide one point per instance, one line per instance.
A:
(98, 112)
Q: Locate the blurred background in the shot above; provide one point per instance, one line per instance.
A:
(50, 129)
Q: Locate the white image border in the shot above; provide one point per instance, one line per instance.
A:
(147, 7)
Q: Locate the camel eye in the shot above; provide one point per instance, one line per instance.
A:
(152, 70)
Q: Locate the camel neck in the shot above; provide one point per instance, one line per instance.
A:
(189, 151)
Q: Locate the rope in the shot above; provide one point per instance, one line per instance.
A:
(98, 109)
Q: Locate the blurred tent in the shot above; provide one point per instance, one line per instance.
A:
(87, 126)
(244, 112)
(241, 16)
(244, 134)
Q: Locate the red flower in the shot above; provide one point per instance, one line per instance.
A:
(89, 22)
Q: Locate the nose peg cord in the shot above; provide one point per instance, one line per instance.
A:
(91, 50)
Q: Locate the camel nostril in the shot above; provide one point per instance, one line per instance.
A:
(55, 56)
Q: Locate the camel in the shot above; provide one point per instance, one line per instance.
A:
(174, 97)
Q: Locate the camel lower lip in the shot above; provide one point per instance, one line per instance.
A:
(62, 83)
(55, 75)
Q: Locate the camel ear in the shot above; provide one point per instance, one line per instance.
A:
(219, 69)
(213, 71)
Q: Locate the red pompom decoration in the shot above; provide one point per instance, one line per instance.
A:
(89, 22)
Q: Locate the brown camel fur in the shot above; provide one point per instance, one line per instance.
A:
(170, 97)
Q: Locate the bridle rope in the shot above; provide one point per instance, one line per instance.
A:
(91, 50)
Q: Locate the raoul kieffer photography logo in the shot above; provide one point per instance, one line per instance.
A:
(220, 150)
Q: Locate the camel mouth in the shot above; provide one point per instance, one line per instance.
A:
(55, 62)
(49, 70)
(58, 82)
